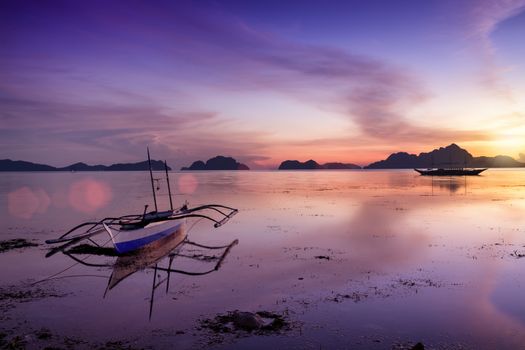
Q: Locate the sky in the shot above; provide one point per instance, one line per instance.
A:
(262, 81)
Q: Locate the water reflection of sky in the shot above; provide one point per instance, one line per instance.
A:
(377, 227)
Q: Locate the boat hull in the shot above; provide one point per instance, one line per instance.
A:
(450, 172)
(126, 241)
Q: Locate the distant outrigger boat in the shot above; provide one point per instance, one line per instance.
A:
(131, 232)
(449, 171)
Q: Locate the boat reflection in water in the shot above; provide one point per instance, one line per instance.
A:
(158, 255)
(450, 185)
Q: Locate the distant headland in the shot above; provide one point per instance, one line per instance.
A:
(313, 165)
(217, 163)
(20, 165)
(447, 157)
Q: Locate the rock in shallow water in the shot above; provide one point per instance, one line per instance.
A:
(247, 321)
(242, 322)
(418, 346)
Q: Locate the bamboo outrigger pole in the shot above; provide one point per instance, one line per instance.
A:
(152, 185)
(168, 181)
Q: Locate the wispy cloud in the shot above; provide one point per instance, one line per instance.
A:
(483, 17)
(126, 130)
(174, 44)
(372, 93)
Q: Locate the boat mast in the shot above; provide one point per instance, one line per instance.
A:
(151, 177)
(168, 181)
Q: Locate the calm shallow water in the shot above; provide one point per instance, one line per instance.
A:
(411, 258)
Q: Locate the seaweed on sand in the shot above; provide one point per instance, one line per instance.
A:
(24, 294)
(45, 339)
(517, 255)
(9, 295)
(16, 243)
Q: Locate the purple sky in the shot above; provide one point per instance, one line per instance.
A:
(352, 81)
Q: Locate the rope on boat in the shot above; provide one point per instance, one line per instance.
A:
(70, 276)
(78, 261)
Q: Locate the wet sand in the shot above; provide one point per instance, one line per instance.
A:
(346, 259)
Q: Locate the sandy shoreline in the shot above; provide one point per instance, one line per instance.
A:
(223, 330)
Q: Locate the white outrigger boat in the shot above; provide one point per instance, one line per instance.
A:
(128, 240)
(155, 256)
(131, 232)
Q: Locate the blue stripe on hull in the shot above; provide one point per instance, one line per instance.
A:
(127, 246)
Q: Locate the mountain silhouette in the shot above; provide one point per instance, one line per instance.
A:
(297, 165)
(337, 165)
(20, 165)
(217, 163)
(451, 156)
(313, 165)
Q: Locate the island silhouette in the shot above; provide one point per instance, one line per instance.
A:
(444, 157)
(217, 163)
(20, 165)
(313, 165)
(451, 156)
